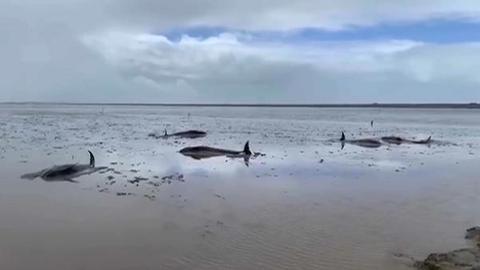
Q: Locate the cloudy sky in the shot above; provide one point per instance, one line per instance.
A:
(260, 51)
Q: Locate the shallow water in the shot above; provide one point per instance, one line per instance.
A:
(306, 204)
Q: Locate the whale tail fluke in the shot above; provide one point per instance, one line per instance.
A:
(92, 159)
(31, 176)
(343, 137)
(246, 149)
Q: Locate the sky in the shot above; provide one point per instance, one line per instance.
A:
(245, 51)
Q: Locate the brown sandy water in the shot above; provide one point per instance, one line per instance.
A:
(287, 210)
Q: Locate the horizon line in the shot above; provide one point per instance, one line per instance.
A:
(470, 105)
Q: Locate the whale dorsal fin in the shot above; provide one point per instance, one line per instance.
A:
(428, 139)
(92, 159)
(343, 137)
(165, 133)
(246, 149)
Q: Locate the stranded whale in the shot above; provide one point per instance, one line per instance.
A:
(189, 134)
(65, 172)
(200, 152)
(369, 143)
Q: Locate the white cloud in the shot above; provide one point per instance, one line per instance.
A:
(87, 15)
(285, 14)
(223, 66)
(86, 50)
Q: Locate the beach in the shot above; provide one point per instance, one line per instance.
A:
(306, 203)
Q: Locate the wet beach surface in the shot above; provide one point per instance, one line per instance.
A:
(306, 204)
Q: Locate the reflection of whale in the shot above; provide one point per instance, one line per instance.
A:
(399, 140)
(65, 172)
(189, 134)
(369, 143)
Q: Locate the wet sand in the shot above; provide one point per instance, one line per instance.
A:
(306, 204)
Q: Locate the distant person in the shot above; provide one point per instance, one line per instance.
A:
(371, 123)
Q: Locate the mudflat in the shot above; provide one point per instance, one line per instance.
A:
(305, 204)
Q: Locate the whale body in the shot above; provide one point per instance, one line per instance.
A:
(369, 143)
(400, 140)
(65, 172)
(201, 152)
(188, 134)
